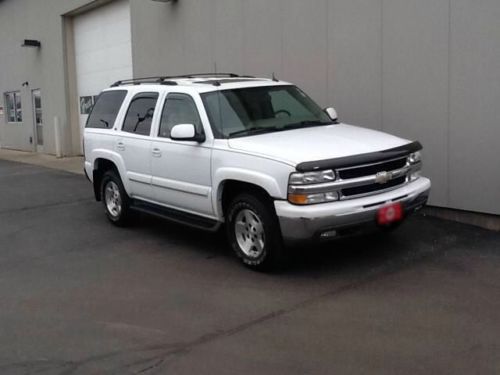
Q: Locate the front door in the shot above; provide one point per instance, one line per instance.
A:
(181, 169)
(38, 119)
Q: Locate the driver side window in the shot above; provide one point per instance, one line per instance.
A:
(140, 114)
(179, 109)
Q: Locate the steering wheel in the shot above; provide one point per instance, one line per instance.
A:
(283, 111)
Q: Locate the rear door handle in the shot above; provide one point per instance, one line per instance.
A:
(156, 152)
(120, 146)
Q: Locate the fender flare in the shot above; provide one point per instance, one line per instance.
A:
(116, 159)
(262, 180)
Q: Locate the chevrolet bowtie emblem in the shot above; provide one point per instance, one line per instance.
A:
(383, 177)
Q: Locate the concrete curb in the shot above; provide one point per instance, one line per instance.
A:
(69, 164)
(486, 221)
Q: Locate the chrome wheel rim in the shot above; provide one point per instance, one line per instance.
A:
(113, 199)
(249, 233)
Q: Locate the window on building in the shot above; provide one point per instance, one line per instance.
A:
(140, 114)
(179, 109)
(13, 106)
(105, 110)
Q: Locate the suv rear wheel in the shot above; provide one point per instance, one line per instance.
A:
(253, 232)
(115, 199)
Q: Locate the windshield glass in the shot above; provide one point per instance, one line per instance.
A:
(257, 110)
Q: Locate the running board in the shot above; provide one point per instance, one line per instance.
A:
(176, 216)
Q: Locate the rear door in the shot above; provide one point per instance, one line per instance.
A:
(133, 143)
(181, 169)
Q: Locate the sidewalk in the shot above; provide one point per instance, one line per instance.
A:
(72, 164)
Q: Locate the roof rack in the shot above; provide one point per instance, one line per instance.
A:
(166, 80)
(207, 75)
(138, 81)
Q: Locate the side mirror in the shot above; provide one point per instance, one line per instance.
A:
(186, 132)
(332, 113)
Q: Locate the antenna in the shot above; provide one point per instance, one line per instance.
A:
(274, 78)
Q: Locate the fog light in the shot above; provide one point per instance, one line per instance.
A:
(414, 176)
(329, 234)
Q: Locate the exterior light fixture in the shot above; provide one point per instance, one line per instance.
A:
(31, 43)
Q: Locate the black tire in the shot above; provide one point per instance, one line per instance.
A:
(269, 254)
(123, 216)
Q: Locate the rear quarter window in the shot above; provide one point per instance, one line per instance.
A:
(106, 109)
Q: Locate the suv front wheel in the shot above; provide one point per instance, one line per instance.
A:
(254, 233)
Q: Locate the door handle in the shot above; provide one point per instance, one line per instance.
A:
(156, 152)
(120, 146)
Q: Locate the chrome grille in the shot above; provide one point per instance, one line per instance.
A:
(367, 189)
(363, 179)
(366, 170)
(368, 179)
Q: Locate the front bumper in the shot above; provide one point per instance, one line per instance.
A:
(327, 220)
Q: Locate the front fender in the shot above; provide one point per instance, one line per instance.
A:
(270, 184)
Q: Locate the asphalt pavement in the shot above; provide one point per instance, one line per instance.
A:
(80, 296)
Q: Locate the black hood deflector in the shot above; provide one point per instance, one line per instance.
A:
(350, 161)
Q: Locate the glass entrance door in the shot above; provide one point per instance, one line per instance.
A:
(38, 119)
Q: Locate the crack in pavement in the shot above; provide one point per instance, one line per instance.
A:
(374, 276)
(152, 358)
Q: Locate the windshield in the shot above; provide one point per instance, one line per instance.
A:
(257, 110)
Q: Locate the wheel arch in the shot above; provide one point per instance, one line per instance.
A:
(101, 164)
(233, 182)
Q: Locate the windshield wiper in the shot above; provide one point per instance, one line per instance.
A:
(305, 124)
(295, 125)
(253, 131)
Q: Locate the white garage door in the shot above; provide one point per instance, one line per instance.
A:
(103, 51)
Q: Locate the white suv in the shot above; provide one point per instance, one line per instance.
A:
(256, 154)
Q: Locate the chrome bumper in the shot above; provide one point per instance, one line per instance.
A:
(336, 219)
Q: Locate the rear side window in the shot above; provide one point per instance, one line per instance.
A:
(106, 109)
(140, 113)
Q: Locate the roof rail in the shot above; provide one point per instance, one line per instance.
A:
(138, 81)
(201, 75)
(164, 80)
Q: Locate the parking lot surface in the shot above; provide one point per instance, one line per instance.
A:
(79, 296)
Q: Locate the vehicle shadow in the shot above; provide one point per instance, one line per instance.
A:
(417, 238)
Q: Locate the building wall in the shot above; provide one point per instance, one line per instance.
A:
(44, 68)
(102, 49)
(421, 69)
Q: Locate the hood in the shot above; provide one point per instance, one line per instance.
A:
(317, 143)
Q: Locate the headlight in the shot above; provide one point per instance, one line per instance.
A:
(415, 161)
(313, 198)
(312, 177)
(298, 191)
(415, 158)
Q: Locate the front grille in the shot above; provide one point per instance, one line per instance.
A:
(366, 189)
(367, 170)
